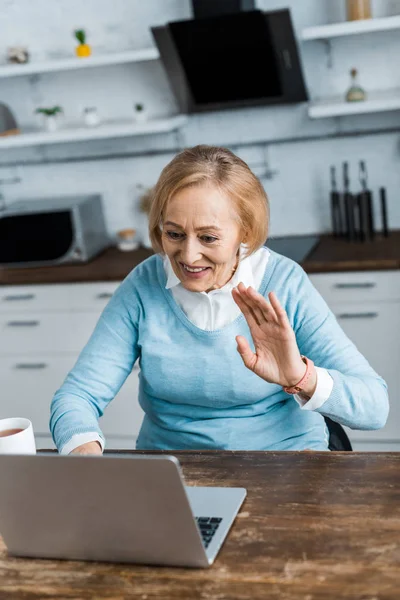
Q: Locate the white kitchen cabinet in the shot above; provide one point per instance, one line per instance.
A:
(92, 297)
(28, 384)
(43, 328)
(367, 307)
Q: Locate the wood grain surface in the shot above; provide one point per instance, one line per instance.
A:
(314, 526)
(112, 265)
(333, 254)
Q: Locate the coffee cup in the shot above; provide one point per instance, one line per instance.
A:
(16, 436)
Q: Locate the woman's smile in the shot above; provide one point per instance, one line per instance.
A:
(194, 272)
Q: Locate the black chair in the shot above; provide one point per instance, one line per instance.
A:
(338, 439)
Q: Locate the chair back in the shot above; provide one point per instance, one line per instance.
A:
(338, 439)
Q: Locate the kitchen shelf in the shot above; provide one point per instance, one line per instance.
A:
(322, 32)
(75, 63)
(115, 129)
(336, 107)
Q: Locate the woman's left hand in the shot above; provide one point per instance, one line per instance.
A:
(277, 357)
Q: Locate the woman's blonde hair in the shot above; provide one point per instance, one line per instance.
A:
(211, 165)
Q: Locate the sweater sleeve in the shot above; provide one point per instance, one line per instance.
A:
(359, 397)
(101, 369)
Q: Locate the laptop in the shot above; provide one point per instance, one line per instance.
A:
(117, 508)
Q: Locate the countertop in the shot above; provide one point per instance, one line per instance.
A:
(112, 265)
(314, 525)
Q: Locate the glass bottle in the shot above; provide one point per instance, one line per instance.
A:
(355, 93)
(358, 9)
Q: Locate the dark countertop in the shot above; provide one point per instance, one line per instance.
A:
(314, 525)
(338, 255)
(112, 265)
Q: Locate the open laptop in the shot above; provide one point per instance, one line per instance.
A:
(129, 508)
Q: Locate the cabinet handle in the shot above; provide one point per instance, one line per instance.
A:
(13, 297)
(349, 286)
(31, 366)
(23, 323)
(104, 296)
(365, 315)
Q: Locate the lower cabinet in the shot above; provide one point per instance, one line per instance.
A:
(367, 307)
(38, 348)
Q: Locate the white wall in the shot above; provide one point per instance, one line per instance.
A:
(299, 191)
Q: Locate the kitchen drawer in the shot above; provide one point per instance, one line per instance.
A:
(374, 329)
(28, 387)
(44, 333)
(25, 298)
(92, 296)
(57, 297)
(360, 286)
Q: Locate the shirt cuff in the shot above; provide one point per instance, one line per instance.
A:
(321, 394)
(82, 438)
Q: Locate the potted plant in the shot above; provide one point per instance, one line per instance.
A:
(140, 113)
(50, 116)
(83, 49)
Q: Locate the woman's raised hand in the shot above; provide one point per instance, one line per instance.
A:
(276, 358)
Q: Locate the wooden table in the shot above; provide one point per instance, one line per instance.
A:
(314, 526)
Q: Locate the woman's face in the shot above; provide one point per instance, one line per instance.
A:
(200, 231)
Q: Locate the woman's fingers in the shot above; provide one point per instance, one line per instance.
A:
(257, 304)
(251, 318)
(280, 312)
(248, 299)
(262, 304)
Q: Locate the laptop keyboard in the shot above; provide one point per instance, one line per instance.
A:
(208, 526)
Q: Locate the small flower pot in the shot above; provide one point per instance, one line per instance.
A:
(50, 123)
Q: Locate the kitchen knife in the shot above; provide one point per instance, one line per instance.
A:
(335, 206)
(385, 229)
(348, 202)
(369, 201)
(362, 201)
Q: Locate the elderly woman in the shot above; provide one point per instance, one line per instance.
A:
(237, 350)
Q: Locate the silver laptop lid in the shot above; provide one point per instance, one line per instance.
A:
(113, 508)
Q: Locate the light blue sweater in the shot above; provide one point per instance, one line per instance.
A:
(193, 386)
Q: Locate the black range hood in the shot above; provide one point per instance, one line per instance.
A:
(223, 61)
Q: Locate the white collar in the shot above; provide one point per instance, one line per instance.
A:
(244, 273)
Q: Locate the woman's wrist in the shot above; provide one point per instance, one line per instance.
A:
(296, 375)
(309, 386)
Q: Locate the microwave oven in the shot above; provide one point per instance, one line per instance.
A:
(52, 231)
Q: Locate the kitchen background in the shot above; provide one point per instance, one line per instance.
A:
(299, 185)
(285, 145)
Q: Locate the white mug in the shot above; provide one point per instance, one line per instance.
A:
(16, 436)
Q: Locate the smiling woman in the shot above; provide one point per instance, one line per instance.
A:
(237, 349)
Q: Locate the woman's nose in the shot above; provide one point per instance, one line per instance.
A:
(191, 251)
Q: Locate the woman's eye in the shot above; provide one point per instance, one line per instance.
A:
(174, 235)
(208, 239)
